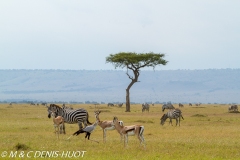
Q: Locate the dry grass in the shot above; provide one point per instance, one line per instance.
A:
(207, 132)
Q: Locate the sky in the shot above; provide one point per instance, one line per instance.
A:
(80, 34)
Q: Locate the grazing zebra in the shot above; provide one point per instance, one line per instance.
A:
(70, 116)
(167, 106)
(190, 104)
(120, 104)
(65, 107)
(172, 114)
(198, 104)
(110, 104)
(233, 108)
(145, 106)
(44, 104)
(180, 105)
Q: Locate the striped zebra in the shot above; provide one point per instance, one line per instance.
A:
(145, 106)
(120, 104)
(167, 106)
(172, 114)
(233, 108)
(180, 105)
(66, 107)
(110, 104)
(70, 116)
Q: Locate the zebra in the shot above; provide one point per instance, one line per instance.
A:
(172, 114)
(167, 106)
(198, 104)
(65, 107)
(233, 107)
(70, 116)
(120, 104)
(145, 106)
(180, 105)
(44, 104)
(110, 104)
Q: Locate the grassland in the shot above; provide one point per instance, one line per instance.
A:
(207, 132)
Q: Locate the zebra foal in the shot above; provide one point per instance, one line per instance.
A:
(172, 114)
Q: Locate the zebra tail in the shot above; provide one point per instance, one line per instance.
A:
(182, 117)
(88, 120)
(78, 132)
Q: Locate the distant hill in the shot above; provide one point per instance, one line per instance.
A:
(205, 86)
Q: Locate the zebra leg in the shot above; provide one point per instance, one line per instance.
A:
(85, 123)
(176, 121)
(170, 122)
(80, 125)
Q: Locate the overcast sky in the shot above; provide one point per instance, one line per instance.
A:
(80, 34)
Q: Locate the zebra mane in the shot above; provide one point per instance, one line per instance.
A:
(54, 105)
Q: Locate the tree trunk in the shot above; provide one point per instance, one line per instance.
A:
(127, 100)
(128, 96)
(136, 74)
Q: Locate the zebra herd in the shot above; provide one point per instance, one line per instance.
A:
(111, 104)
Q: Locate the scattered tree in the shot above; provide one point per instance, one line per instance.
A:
(135, 61)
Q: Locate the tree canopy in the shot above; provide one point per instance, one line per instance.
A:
(135, 61)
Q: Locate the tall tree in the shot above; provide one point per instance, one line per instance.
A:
(135, 61)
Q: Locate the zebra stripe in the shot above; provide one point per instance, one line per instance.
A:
(70, 116)
(167, 106)
(172, 114)
(145, 106)
(233, 108)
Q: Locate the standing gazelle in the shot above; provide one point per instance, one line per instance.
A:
(129, 131)
(58, 122)
(106, 125)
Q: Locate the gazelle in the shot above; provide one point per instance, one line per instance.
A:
(129, 131)
(58, 122)
(106, 125)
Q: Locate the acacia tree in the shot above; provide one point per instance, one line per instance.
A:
(135, 61)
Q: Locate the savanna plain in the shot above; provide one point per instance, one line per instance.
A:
(208, 131)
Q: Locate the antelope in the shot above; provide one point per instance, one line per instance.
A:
(58, 122)
(106, 125)
(126, 131)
